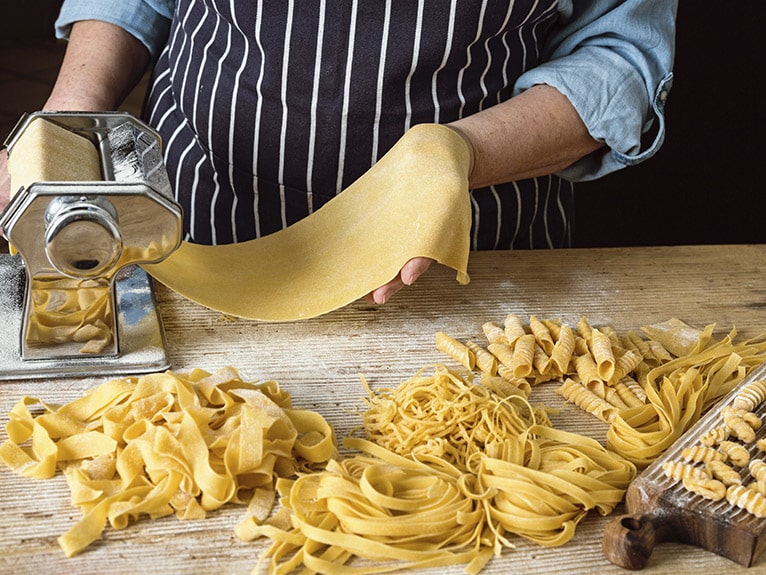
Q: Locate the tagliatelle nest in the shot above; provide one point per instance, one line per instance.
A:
(450, 471)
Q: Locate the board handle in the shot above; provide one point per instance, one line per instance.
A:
(630, 539)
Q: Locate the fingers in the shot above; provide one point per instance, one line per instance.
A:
(413, 269)
(410, 272)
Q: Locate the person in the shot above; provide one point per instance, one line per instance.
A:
(269, 109)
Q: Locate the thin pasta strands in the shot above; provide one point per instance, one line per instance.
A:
(446, 413)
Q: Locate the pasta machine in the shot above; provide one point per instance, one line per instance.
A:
(73, 299)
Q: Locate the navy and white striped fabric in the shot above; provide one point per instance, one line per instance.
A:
(268, 109)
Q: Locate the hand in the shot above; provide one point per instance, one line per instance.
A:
(411, 271)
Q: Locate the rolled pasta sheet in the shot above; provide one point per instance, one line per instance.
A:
(514, 328)
(542, 334)
(524, 355)
(494, 333)
(456, 350)
(334, 257)
(586, 400)
(601, 348)
(485, 361)
(562, 351)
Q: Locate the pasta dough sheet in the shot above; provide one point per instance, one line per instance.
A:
(413, 202)
(47, 152)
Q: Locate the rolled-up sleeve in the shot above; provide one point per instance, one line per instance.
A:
(613, 60)
(147, 20)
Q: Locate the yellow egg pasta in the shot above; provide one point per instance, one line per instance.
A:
(449, 472)
(702, 454)
(503, 352)
(708, 488)
(750, 396)
(735, 453)
(513, 328)
(586, 369)
(650, 397)
(601, 348)
(714, 436)
(542, 334)
(494, 333)
(631, 393)
(737, 425)
(724, 473)
(163, 444)
(587, 400)
(562, 351)
(456, 350)
(757, 469)
(483, 359)
(681, 470)
(748, 499)
(523, 355)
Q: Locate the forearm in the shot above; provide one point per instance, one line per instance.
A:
(102, 64)
(535, 133)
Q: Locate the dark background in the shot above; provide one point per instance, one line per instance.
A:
(703, 187)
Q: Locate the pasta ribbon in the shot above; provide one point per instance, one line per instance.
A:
(165, 443)
(450, 470)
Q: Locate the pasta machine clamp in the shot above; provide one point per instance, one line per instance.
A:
(74, 300)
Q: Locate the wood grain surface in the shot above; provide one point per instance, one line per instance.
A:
(320, 362)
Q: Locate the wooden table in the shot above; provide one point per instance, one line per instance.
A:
(320, 361)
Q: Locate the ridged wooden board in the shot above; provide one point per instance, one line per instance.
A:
(320, 362)
(661, 510)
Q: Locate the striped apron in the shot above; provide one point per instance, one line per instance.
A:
(267, 109)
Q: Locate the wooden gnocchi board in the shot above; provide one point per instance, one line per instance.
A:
(661, 509)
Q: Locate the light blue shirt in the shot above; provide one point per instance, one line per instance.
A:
(613, 60)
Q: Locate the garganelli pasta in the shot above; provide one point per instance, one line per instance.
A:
(647, 394)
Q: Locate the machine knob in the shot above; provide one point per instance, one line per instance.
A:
(82, 238)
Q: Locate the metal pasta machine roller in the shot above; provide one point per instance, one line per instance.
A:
(90, 201)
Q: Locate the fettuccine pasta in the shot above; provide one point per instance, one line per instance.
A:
(165, 443)
(450, 470)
